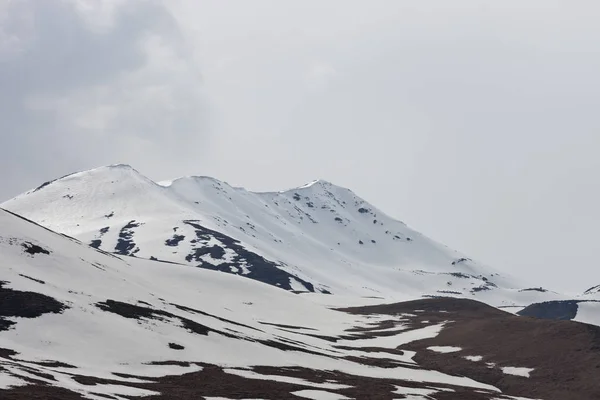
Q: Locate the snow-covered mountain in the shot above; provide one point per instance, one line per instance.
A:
(316, 238)
(79, 323)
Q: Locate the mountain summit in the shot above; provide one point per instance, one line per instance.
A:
(318, 237)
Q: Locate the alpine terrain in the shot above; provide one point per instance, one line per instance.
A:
(113, 286)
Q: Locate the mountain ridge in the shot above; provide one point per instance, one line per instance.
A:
(169, 182)
(318, 237)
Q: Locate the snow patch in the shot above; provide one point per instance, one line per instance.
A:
(7, 381)
(444, 349)
(518, 371)
(319, 395)
(415, 391)
(392, 342)
(296, 285)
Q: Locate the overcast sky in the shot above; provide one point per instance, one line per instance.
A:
(475, 122)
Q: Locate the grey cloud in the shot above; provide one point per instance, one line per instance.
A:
(63, 53)
(74, 97)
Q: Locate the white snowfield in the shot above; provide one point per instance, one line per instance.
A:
(588, 312)
(588, 307)
(121, 315)
(318, 238)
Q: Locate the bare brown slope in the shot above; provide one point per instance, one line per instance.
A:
(565, 355)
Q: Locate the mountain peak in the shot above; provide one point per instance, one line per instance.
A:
(114, 168)
(321, 182)
(592, 290)
(93, 171)
(318, 183)
(119, 165)
(198, 178)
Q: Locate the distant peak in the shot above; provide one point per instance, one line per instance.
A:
(113, 172)
(120, 166)
(197, 178)
(123, 167)
(322, 183)
(107, 168)
(592, 290)
(108, 172)
(202, 178)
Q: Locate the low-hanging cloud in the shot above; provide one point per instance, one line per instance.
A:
(92, 83)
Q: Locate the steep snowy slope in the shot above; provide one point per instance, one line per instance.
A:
(316, 238)
(75, 321)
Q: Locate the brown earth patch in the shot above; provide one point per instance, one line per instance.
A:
(52, 364)
(39, 392)
(565, 355)
(17, 303)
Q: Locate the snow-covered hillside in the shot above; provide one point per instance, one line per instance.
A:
(75, 321)
(316, 238)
